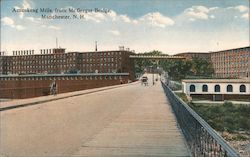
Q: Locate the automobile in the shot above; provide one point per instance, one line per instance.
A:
(144, 80)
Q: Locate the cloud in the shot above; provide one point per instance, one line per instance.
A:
(95, 16)
(26, 4)
(10, 22)
(7, 21)
(19, 27)
(213, 8)
(245, 16)
(115, 32)
(192, 19)
(34, 20)
(212, 16)
(125, 18)
(54, 27)
(197, 12)
(157, 19)
(241, 8)
(110, 16)
(31, 18)
(204, 13)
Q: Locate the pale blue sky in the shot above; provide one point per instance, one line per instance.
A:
(170, 26)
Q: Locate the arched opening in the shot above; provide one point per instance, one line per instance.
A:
(217, 88)
(192, 88)
(242, 88)
(204, 88)
(229, 88)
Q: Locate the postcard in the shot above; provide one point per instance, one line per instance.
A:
(124, 78)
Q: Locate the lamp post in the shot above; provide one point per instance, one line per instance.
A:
(153, 77)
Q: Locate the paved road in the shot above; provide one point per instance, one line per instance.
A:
(132, 120)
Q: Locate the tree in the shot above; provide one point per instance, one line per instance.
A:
(181, 69)
(140, 63)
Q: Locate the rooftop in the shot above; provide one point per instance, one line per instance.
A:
(57, 75)
(247, 80)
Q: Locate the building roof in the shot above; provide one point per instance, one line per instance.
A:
(56, 75)
(186, 53)
(247, 80)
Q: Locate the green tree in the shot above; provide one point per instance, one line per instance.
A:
(141, 64)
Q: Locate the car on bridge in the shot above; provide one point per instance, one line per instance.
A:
(144, 80)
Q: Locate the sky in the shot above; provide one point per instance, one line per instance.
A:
(170, 26)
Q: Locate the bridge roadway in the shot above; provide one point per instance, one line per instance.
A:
(132, 120)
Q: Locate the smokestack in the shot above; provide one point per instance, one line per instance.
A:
(95, 45)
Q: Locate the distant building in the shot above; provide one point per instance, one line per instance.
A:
(232, 63)
(219, 89)
(56, 61)
(197, 55)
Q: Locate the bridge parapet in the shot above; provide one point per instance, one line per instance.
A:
(202, 139)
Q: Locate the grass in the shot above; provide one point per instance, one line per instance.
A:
(182, 96)
(227, 117)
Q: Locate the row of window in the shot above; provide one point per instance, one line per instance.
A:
(217, 88)
(48, 54)
(64, 78)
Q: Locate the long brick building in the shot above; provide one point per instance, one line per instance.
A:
(56, 61)
(26, 74)
(231, 63)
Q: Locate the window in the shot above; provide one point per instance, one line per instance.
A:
(217, 88)
(204, 88)
(242, 88)
(229, 88)
(192, 88)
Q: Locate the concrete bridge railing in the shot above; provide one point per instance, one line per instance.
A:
(202, 139)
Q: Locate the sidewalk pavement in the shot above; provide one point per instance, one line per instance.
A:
(17, 103)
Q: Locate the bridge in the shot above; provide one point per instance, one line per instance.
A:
(124, 120)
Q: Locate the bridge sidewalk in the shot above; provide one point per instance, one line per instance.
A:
(44, 99)
(147, 128)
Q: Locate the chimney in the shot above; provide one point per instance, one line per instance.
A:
(95, 45)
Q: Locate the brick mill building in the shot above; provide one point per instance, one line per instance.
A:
(231, 63)
(56, 61)
(26, 74)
